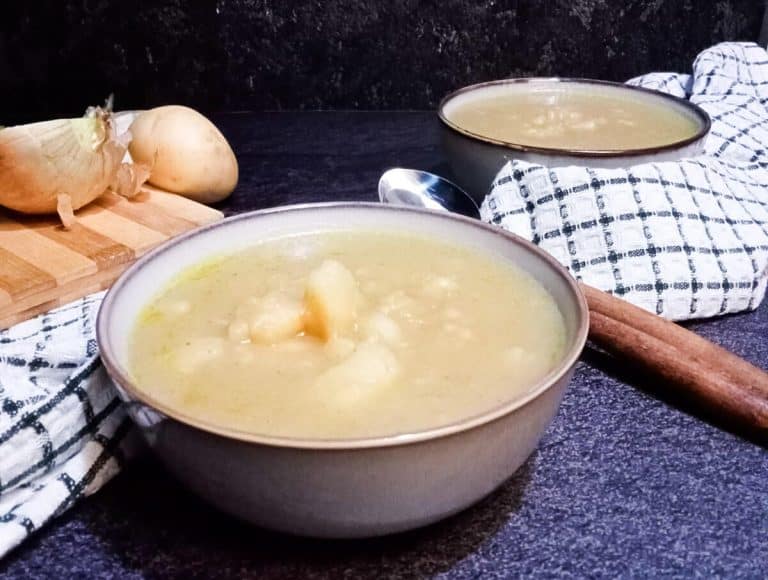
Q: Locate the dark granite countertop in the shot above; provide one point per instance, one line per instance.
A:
(58, 57)
(626, 482)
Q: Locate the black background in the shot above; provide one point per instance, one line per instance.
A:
(56, 57)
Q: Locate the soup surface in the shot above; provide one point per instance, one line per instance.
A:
(576, 119)
(345, 335)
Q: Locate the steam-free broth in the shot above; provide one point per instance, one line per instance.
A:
(572, 118)
(345, 335)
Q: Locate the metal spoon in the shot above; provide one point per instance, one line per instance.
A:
(416, 188)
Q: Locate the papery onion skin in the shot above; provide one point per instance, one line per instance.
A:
(129, 179)
(65, 211)
(40, 161)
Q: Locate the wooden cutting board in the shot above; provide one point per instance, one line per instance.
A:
(43, 265)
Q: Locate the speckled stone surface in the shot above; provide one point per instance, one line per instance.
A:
(58, 56)
(627, 482)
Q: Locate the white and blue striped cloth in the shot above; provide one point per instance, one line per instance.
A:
(64, 434)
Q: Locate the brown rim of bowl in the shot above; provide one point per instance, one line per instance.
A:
(568, 359)
(703, 117)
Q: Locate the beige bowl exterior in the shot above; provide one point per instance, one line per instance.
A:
(475, 160)
(338, 488)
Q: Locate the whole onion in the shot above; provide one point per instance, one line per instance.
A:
(43, 164)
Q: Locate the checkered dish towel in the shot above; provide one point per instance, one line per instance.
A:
(684, 239)
(64, 433)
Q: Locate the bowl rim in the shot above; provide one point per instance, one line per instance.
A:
(126, 384)
(705, 121)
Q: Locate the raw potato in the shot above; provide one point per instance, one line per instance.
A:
(331, 300)
(187, 154)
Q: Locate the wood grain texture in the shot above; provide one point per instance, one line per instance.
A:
(43, 265)
(101, 249)
(37, 249)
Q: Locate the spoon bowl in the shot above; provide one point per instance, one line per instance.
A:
(416, 188)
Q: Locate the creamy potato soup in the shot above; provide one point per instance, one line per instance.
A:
(345, 335)
(575, 119)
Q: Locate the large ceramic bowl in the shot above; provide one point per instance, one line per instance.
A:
(476, 159)
(340, 488)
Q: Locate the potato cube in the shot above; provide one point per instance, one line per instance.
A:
(275, 318)
(381, 327)
(331, 299)
(370, 367)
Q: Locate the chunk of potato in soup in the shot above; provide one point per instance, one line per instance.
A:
(345, 335)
